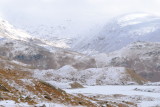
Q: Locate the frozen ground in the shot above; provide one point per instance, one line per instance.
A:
(132, 93)
(10, 103)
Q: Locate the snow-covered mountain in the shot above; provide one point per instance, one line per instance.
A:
(33, 70)
(20, 46)
(143, 57)
(91, 76)
(59, 35)
(63, 34)
(122, 31)
(37, 54)
(20, 53)
(8, 31)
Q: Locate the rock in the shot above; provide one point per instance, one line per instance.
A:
(76, 85)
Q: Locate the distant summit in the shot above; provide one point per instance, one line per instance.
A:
(122, 31)
(7, 30)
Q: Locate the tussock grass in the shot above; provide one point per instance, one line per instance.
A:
(21, 87)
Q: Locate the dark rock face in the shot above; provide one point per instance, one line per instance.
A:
(29, 58)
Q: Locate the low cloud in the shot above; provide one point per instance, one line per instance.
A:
(42, 11)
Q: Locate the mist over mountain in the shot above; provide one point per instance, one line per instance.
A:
(79, 53)
(122, 31)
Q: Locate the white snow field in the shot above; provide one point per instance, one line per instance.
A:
(132, 93)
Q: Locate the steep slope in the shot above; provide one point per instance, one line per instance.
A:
(19, 46)
(20, 87)
(8, 31)
(122, 31)
(143, 57)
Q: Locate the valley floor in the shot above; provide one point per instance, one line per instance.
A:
(143, 96)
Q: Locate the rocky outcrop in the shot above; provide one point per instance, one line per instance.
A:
(142, 57)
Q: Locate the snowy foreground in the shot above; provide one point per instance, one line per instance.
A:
(143, 96)
(10, 103)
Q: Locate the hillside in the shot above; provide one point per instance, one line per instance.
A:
(143, 57)
(91, 76)
(20, 87)
(35, 71)
(20, 46)
(33, 54)
(121, 31)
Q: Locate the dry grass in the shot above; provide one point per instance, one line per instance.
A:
(41, 90)
(136, 77)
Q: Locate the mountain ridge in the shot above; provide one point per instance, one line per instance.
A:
(121, 31)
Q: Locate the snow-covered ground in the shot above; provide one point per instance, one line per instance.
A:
(131, 93)
(153, 84)
(10, 103)
(91, 76)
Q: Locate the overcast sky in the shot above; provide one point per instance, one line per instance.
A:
(53, 11)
